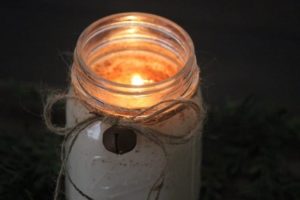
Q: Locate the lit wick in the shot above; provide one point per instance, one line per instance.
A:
(136, 79)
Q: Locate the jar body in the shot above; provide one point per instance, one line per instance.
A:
(104, 175)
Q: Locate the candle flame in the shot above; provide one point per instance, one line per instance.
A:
(136, 79)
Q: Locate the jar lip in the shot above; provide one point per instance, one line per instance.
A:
(82, 64)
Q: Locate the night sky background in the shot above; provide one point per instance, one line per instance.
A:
(249, 56)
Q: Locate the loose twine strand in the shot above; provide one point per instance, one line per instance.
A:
(136, 123)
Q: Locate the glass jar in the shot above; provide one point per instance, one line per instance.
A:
(109, 53)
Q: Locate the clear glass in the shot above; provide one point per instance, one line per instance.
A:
(107, 54)
(116, 46)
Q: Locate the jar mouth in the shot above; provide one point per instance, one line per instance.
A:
(160, 24)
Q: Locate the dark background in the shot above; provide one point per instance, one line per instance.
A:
(243, 47)
(248, 52)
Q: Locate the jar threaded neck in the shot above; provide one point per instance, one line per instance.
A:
(125, 43)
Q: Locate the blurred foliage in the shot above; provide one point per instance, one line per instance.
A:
(29, 154)
(249, 152)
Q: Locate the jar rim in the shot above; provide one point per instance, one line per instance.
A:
(85, 35)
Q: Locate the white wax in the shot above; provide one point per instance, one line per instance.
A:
(104, 175)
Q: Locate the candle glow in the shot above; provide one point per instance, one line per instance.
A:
(136, 79)
(132, 64)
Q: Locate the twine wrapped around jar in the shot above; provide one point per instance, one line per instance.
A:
(138, 123)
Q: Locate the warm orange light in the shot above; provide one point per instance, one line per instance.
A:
(136, 79)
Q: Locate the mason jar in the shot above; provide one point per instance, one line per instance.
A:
(111, 163)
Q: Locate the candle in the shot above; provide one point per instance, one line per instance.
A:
(121, 67)
(123, 64)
